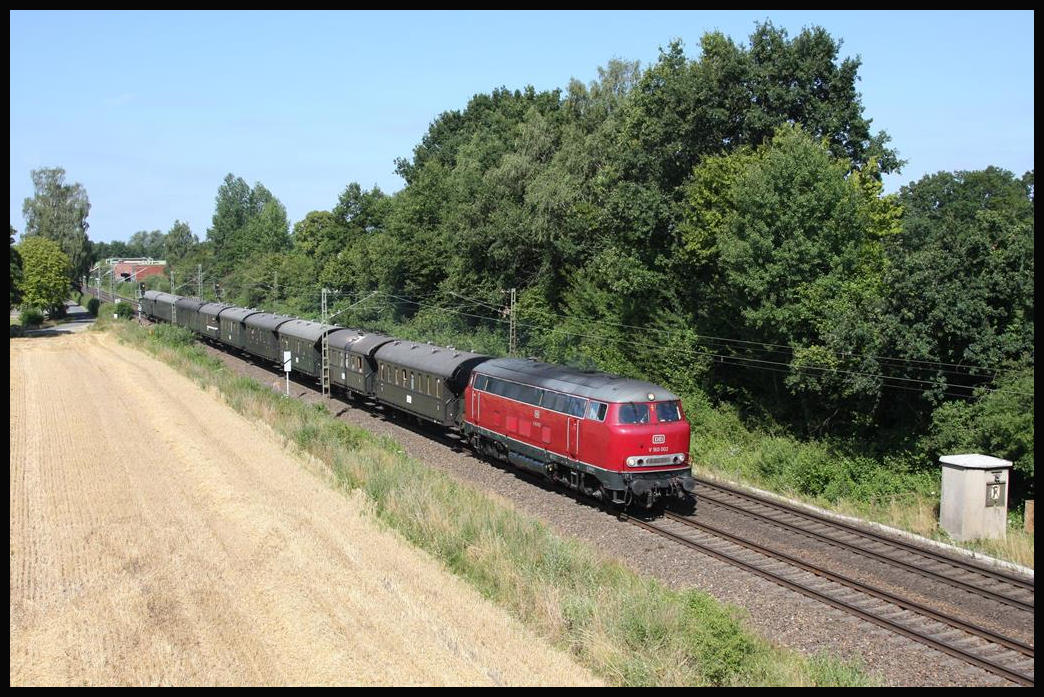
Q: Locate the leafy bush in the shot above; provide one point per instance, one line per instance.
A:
(92, 306)
(125, 310)
(32, 317)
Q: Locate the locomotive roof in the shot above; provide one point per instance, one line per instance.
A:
(265, 320)
(592, 385)
(305, 329)
(436, 360)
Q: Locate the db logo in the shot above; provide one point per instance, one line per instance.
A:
(658, 439)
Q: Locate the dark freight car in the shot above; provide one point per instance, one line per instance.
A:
(423, 379)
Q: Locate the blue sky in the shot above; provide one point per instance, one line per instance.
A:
(149, 111)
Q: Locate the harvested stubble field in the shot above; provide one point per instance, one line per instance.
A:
(157, 537)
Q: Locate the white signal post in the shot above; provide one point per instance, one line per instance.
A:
(286, 369)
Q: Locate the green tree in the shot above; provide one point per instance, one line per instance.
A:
(246, 222)
(178, 242)
(16, 271)
(46, 271)
(961, 279)
(146, 243)
(997, 422)
(786, 242)
(58, 211)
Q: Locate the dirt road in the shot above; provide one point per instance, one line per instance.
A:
(157, 537)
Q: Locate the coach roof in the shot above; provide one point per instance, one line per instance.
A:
(266, 320)
(366, 344)
(188, 303)
(237, 314)
(160, 296)
(591, 385)
(450, 363)
(213, 309)
(305, 329)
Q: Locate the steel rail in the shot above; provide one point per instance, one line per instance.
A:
(975, 568)
(903, 630)
(1007, 600)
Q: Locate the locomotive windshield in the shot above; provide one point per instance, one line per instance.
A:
(667, 411)
(633, 413)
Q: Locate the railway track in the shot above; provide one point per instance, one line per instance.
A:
(106, 296)
(887, 607)
(994, 584)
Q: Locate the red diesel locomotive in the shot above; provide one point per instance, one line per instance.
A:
(619, 440)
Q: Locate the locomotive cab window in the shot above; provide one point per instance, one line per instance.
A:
(597, 410)
(632, 413)
(667, 411)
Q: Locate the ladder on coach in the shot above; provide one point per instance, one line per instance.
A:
(324, 374)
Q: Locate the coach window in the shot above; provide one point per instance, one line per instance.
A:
(438, 387)
(412, 379)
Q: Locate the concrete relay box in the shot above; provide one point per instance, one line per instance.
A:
(974, 496)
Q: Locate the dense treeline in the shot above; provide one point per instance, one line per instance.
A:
(713, 224)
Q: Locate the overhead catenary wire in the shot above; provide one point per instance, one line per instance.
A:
(772, 348)
(889, 381)
(742, 360)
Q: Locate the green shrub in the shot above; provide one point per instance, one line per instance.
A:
(31, 317)
(125, 310)
(92, 306)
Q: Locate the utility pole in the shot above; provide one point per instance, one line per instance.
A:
(199, 280)
(173, 305)
(512, 335)
(325, 374)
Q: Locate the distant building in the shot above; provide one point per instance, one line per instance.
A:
(135, 270)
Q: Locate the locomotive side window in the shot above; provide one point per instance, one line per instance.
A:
(597, 411)
(667, 411)
(480, 382)
(576, 407)
(633, 414)
(556, 401)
